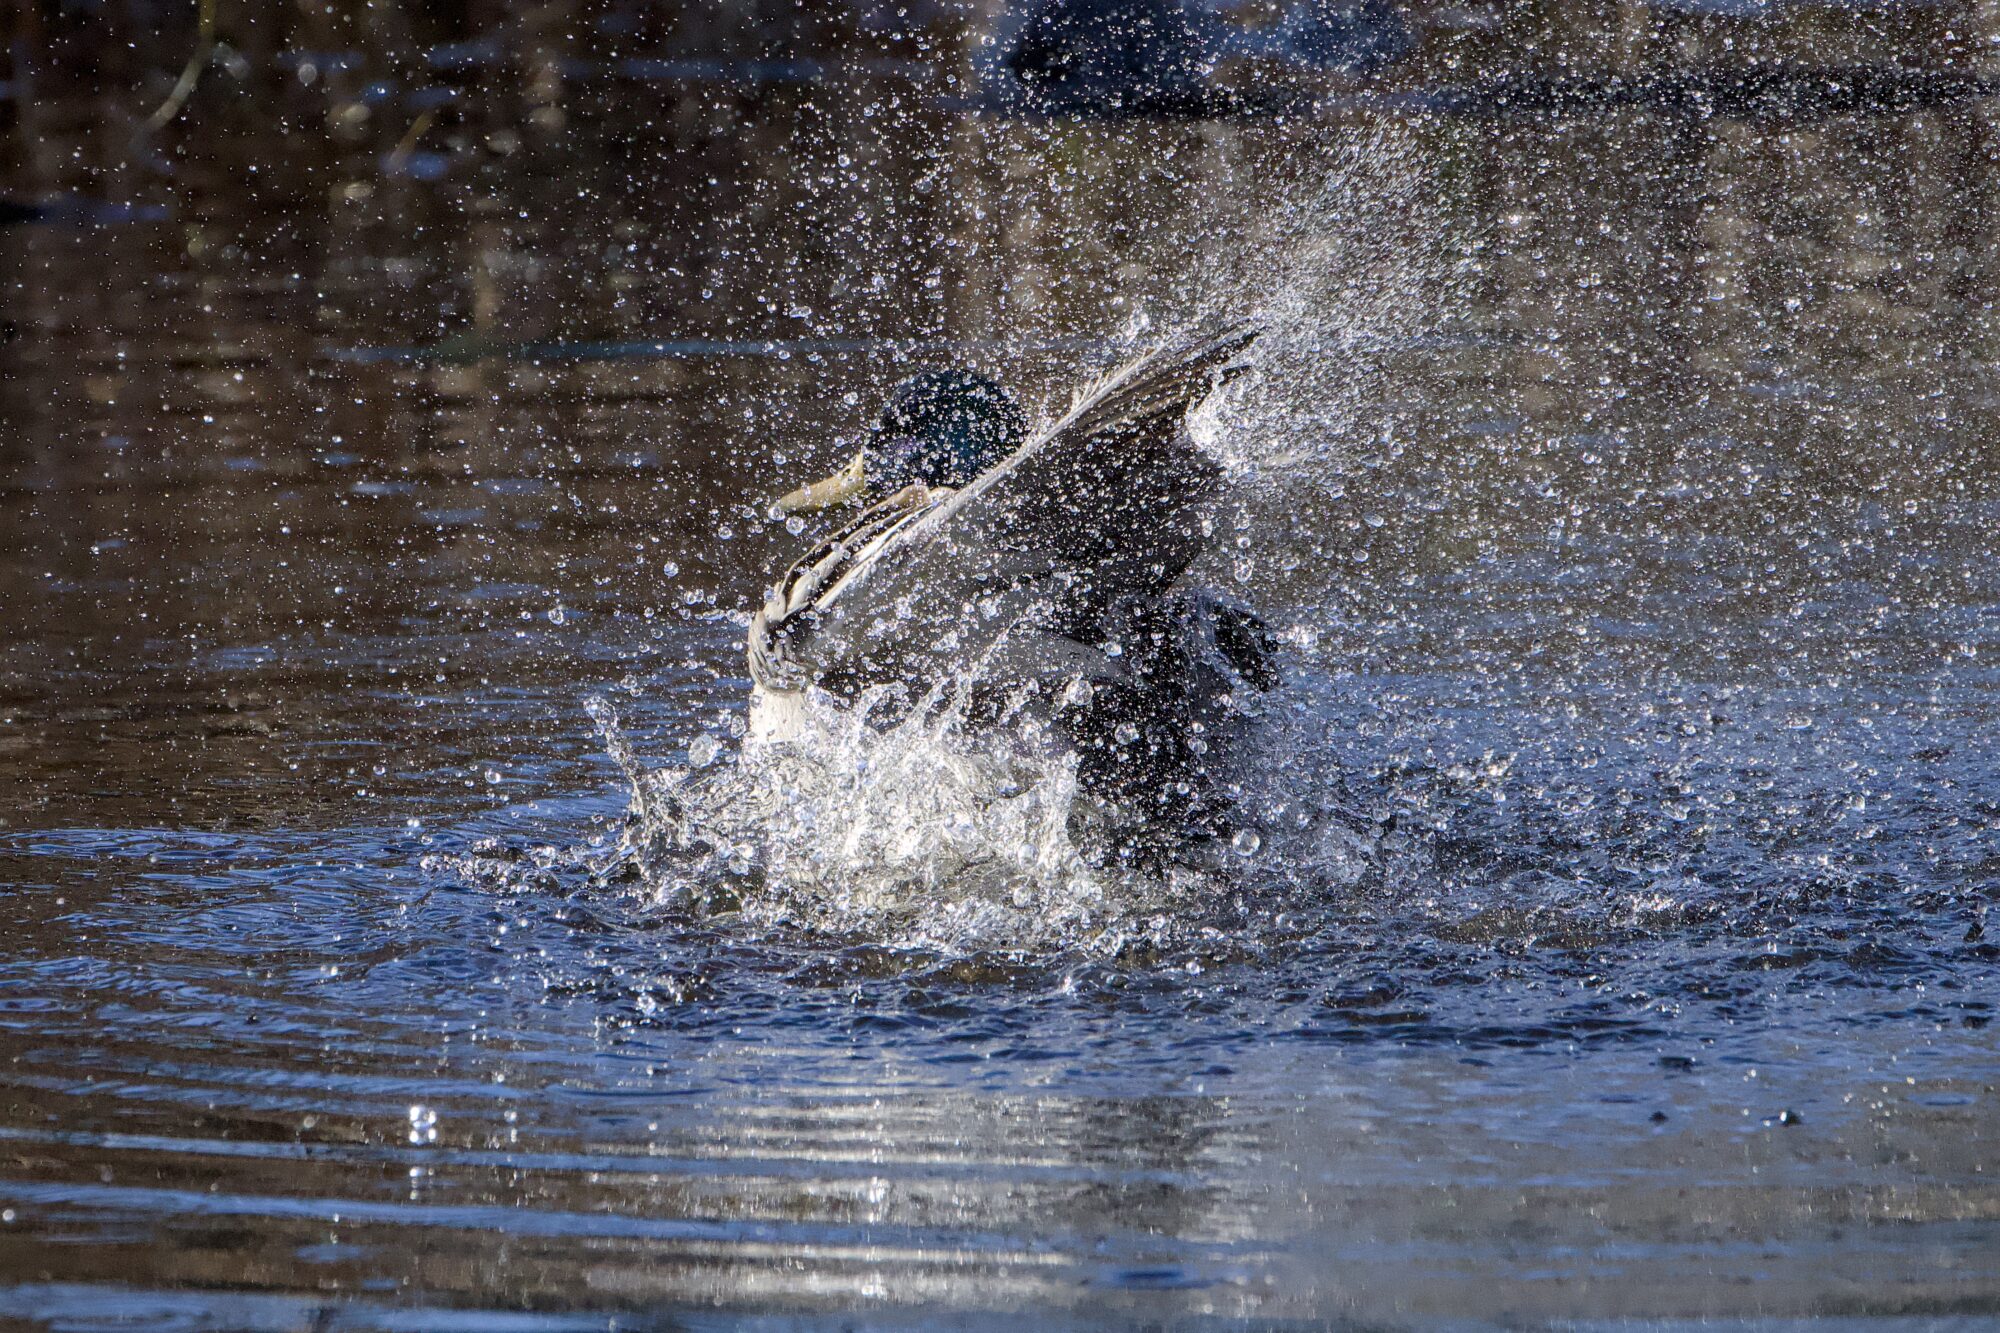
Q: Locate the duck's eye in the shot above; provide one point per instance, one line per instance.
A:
(897, 461)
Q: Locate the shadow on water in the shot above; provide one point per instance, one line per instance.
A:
(1615, 941)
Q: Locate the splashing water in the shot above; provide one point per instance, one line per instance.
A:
(917, 834)
(926, 834)
(1348, 264)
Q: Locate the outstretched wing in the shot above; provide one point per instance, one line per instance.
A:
(1117, 488)
(1006, 577)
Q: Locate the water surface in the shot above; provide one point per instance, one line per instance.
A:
(1622, 487)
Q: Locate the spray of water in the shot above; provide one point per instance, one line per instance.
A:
(915, 833)
(1349, 264)
(925, 833)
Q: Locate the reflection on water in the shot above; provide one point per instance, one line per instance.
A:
(1621, 484)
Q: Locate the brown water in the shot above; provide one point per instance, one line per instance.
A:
(1624, 487)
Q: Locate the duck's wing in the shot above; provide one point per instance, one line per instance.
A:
(1115, 491)
(1006, 578)
(791, 609)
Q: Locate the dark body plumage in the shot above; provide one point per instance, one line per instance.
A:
(1047, 584)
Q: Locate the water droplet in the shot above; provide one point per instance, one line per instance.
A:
(1247, 842)
(702, 750)
(423, 1124)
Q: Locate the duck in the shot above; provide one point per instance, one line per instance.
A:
(1032, 575)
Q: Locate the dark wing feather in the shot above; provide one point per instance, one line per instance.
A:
(1117, 491)
(1006, 577)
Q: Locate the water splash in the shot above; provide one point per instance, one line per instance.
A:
(604, 714)
(917, 834)
(928, 834)
(1350, 263)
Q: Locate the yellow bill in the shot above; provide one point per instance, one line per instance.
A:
(844, 485)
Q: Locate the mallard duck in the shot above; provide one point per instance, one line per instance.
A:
(1037, 573)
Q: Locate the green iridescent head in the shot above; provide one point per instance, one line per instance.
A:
(940, 427)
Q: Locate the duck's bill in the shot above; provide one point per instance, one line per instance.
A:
(843, 486)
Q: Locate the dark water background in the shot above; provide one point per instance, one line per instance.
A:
(1627, 494)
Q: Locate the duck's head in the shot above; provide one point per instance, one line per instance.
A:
(941, 427)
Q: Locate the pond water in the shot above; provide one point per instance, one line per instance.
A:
(1615, 946)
